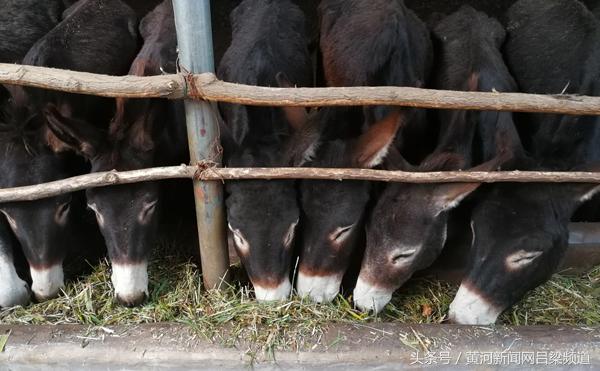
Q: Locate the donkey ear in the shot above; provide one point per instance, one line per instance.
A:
(77, 135)
(140, 135)
(138, 121)
(583, 192)
(372, 147)
(508, 142)
(395, 161)
(441, 161)
(296, 116)
(449, 196)
(304, 143)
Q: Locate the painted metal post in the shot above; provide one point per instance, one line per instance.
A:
(194, 37)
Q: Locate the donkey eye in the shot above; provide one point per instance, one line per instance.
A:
(521, 258)
(147, 211)
(239, 240)
(341, 233)
(289, 236)
(62, 212)
(400, 256)
(64, 208)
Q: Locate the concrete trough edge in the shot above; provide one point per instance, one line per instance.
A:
(345, 347)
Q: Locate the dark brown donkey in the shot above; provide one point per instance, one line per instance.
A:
(105, 41)
(408, 226)
(520, 230)
(364, 43)
(22, 23)
(269, 49)
(143, 133)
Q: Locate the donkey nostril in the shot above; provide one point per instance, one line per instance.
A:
(40, 298)
(131, 300)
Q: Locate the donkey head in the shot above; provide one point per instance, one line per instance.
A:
(44, 228)
(519, 237)
(407, 231)
(13, 290)
(333, 211)
(126, 214)
(263, 215)
(408, 226)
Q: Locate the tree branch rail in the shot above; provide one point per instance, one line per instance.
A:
(77, 183)
(208, 87)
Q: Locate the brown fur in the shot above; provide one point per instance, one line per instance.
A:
(377, 137)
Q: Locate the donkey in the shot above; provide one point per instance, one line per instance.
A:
(105, 40)
(23, 22)
(143, 7)
(333, 212)
(47, 230)
(13, 289)
(358, 49)
(143, 133)
(407, 229)
(374, 43)
(520, 230)
(269, 49)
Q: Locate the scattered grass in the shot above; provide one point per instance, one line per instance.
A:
(231, 315)
(564, 300)
(3, 341)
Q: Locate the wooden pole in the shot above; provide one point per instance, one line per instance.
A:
(206, 86)
(129, 86)
(51, 189)
(194, 37)
(209, 88)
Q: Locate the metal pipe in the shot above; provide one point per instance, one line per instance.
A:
(194, 37)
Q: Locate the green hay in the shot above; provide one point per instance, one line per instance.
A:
(3, 341)
(231, 315)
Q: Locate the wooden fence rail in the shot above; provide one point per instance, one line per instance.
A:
(36, 192)
(208, 87)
